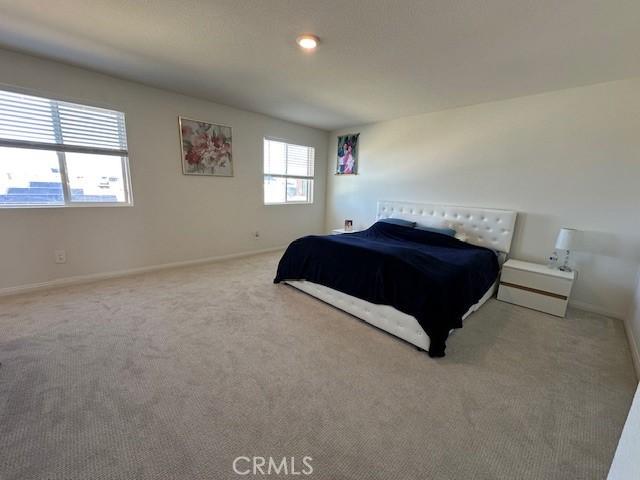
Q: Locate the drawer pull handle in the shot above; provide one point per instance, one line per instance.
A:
(534, 290)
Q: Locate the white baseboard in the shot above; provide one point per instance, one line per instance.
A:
(588, 307)
(94, 277)
(633, 346)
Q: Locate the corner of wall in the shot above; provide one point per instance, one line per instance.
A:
(331, 145)
(632, 327)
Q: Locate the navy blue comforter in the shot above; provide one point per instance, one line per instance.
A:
(433, 277)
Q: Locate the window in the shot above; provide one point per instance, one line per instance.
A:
(55, 153)
(288, 173)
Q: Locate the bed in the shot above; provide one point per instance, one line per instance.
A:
(418, 286)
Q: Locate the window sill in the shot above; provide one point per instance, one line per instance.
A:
(287, 203)
(79, 205)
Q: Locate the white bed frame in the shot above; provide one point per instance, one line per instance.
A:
(482, 226)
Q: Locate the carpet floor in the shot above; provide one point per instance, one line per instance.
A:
(172, 375)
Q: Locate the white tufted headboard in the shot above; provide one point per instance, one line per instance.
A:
(485, 227)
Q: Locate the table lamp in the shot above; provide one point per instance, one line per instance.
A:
(565, 240)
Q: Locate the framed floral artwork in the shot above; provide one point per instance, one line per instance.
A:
(206, 148)
(347, 154)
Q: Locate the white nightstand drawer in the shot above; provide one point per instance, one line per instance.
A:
(537, 301)
(537, 281)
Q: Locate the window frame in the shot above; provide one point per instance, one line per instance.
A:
(297, 177)
(61, 150)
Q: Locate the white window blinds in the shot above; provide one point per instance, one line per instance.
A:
(55, 153)
(34, 122)
(288, 172)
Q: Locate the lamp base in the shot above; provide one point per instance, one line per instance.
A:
(565, 265)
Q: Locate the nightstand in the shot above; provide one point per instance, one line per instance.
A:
(340, 231)
(536, 286)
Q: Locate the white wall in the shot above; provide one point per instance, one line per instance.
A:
(566, 158)
(625, 465)
(175, 217)
(625, 462)
(633, 327)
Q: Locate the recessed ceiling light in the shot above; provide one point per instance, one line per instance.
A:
(307, 41)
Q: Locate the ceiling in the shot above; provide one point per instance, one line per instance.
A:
(379, 59)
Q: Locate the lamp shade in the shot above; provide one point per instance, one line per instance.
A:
(565, 239)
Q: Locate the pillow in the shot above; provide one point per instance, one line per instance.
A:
(398, 221)
(432, 222)
(462, 237)
(450, 232)
(436, 225)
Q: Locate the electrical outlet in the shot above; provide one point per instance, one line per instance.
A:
(60, 256)
(256, 234)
